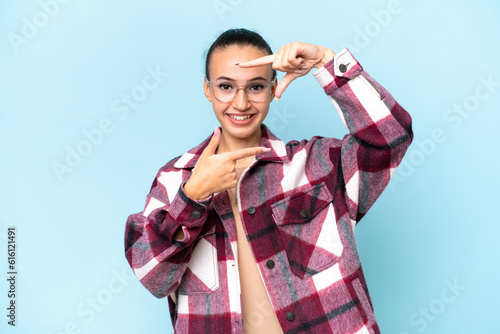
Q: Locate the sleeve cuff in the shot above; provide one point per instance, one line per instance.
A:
(189, 212)
(204, 202)
(338, 71)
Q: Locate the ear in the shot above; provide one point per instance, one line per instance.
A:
(273, 88)
(206, 89)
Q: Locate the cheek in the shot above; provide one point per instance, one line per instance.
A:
(219, 108)
(263, 110)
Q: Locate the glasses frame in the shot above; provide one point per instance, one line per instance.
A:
(269, 84)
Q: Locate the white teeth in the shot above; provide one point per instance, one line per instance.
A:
(240, 118)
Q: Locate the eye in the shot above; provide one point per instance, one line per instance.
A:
(225, 87)
(256, 87)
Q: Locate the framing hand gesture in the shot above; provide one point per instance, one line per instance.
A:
(296, 59)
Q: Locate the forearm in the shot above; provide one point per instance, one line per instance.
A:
(379, 131)
(160, 239)
(366, 108)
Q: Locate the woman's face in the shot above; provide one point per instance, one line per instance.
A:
(222, 68)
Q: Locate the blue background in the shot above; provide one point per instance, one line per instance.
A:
(65, 76)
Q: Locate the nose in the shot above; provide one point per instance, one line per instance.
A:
(241, 101)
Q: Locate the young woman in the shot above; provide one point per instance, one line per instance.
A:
(247, 234)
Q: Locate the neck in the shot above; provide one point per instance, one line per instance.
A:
(229, 144)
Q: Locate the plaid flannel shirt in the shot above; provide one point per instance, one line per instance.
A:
(299, 205)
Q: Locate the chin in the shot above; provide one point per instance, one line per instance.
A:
(241, 133)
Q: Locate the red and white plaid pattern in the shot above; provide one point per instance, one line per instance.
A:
(299, 205)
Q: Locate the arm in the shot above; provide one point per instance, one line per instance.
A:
(156, 257)
(379, 130)
(152, 247)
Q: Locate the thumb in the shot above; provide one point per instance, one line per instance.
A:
(214, 142)
(283, 84)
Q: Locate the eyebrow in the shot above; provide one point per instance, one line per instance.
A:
(229, 79)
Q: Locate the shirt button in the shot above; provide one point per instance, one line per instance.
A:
(196, 214)
(342, 68)
(270, 264)
(251, 210)
(290, 316)
(303, 213)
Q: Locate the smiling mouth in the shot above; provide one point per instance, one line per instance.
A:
(240, 118)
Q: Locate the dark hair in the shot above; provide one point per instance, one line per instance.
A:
(240, 37)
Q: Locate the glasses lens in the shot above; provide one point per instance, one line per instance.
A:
(256, 91)
(224, 91)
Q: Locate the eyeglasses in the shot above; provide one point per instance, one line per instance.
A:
(225, 91)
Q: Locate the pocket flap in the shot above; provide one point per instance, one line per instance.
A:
(303, 206)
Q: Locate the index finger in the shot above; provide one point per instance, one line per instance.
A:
(246, 152)
(266, 60)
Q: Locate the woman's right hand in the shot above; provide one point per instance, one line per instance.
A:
(215, 173)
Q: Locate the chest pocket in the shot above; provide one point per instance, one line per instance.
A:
(201, 275)
(307, 224)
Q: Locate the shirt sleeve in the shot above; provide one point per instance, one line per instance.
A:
(156, 258)
(380, 130)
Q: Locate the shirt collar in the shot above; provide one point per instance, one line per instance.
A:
(277, 153)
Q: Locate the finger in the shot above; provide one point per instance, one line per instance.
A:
(266, 60)
(290, 65)
(278, 60)
(283, 84)
(303, 69)
(246, 152)
(213, 143)
(287, 59)
(291, 60)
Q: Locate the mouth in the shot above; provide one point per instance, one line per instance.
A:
(241, 119)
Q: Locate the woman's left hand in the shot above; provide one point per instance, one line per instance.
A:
(296, 59)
